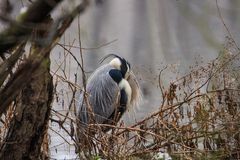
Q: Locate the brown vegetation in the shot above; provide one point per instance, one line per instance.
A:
(198, 117)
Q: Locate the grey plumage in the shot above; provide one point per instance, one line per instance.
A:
(97, 88)
(101, 103)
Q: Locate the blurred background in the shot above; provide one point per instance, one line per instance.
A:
(150, 34)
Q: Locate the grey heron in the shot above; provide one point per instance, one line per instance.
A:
(111, 90)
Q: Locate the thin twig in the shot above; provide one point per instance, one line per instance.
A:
(90, 48)
(225, 26)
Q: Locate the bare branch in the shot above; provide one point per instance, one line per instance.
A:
(16, 32)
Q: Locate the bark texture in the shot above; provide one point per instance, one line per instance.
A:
(28, 126)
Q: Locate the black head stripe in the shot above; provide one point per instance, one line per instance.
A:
(124, 67)
(124, 64)
(129, 65)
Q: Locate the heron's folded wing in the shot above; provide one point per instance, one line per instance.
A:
(103, 97)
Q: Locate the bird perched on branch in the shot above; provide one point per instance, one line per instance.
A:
(110, 91)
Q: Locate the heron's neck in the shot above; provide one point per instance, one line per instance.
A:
(125, 85)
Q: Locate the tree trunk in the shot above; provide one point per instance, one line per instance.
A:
(28, 126)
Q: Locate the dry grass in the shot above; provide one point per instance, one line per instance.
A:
(198, 118)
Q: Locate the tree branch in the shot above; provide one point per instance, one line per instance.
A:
(20, 78)
(20, 30)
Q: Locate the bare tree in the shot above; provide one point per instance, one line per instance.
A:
(26, 82)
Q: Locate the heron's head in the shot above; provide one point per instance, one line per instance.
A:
(119, 63)
(122, 65)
